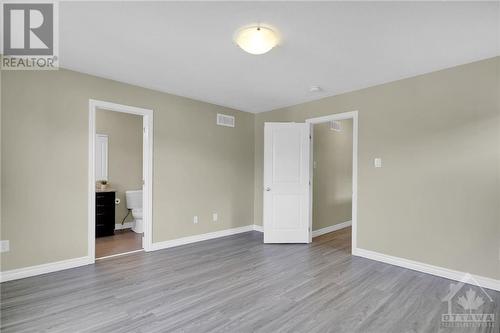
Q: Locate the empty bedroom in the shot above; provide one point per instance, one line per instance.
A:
(250, 166)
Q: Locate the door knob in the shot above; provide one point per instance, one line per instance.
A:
(268, 189)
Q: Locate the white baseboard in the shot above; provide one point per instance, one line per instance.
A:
(21, 273)
(315, 233)
(25, 272)
(199, 238)
(258, 228)
(484, 282)
(332, 228)
(127, 225)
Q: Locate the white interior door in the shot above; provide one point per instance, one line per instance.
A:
(286, 183)
(101, 157)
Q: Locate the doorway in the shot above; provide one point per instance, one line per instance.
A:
(289, 176)
(334, 165)
(120, 179)
(332, 177)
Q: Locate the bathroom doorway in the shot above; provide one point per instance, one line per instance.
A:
(120, 169)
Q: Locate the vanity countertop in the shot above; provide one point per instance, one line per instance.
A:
(98, 190)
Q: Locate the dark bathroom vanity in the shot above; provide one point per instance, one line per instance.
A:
(104, 213)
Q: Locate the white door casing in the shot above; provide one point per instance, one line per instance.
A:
(287, 183)
(147, 193)
(343, 116)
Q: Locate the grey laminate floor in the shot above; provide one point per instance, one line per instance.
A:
(234, 284)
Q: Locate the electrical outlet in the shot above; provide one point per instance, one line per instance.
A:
(215, 217)
(195, 219)
(4, 246)
(377, 162)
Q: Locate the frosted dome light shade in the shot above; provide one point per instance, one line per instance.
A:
(257, 40)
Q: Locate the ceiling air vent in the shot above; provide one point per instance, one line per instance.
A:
(225, 120)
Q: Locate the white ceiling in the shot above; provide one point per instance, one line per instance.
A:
(187, 48)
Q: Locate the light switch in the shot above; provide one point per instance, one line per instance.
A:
(4, 246)
(215, 217)
(377, 162)
(195, 219)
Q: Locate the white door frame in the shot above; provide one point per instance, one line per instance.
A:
(147, 170)
(341, 116)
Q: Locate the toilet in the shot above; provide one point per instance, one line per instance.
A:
(134, 203)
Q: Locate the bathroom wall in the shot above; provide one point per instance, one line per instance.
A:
(436, 198)
(332, 177)
(198, 167)
(124, 132)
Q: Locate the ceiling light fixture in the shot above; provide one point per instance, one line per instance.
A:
(256, 39)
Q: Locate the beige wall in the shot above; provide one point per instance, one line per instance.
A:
(437, 197)
(124, 132)
(199, 168)
(332, 178)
